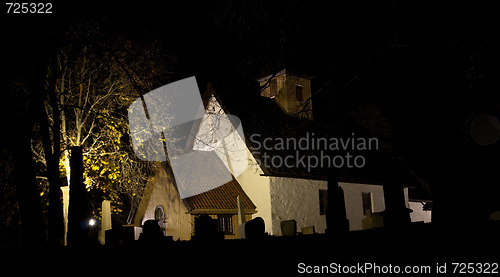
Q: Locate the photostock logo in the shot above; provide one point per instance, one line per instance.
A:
(310, 152)
(171, 123)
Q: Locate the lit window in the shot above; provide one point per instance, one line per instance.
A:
(160, 217)
(225, 224)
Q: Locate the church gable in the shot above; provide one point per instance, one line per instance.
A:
(161, 194)
(222, 133)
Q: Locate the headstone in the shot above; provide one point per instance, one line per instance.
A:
(372, 220)
(255, 228)
(106, 220)
(288, 227)
(309, 230)
(151, 231)
(122, 235)
(205, 229)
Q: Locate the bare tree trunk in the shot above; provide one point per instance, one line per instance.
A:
(32, 224)
(53, 176)
(52, 152)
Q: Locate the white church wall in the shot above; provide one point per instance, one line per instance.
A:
(297, 199)
(354, 201)
(418, 213)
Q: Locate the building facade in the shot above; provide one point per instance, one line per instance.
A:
(275, 194)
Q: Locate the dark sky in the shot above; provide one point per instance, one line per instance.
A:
(425, 65)
(430, 68)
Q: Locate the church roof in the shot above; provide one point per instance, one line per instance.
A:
(262, 116)
(220, 198)
(205, 171)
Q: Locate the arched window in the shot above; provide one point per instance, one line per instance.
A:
(160, 217)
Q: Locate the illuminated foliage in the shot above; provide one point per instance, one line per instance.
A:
(95, 77)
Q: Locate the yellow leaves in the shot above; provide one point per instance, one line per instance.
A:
(114, 176)
(103, 113)
(62, 167)
(87, 182)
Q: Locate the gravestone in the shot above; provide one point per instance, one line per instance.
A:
(205, 229)
(255, 228)
(288, 227)
(105, 221)
(309, 230)
(372, 220)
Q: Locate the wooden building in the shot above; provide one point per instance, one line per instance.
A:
(176, 216)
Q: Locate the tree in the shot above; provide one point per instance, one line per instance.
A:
(90, 87)
(23, 89)
(18, 115)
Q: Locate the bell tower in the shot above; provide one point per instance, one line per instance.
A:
(291, 91)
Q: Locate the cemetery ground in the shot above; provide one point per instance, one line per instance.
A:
(417, 248)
